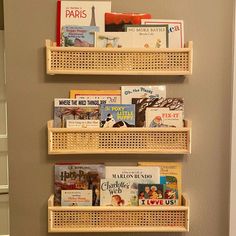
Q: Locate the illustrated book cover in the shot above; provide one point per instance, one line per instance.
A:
(75, 176)
(150, 194)
(76, 197)
(116, 116)
(116, 193)
(163, 117)
(96, 97)
(141, 104)
(82, 123)
(81, 13)
(70, 109)
(175, 30)
(115, 22)
(78, 36)
(171, 178)
(142, 91)
(150, 36)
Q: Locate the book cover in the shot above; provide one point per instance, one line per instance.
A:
(81, 13)
(83, 124)
(117, 115)
(150, 194)
(175, 30)
(150, 36)
(141, 104)
(116, 193)
(142, 91)
(74, 176)
(76, 197)
(163, 117)
(114, 21)
(70, 109)
(171, 178)
(78, 36)
(96, 97)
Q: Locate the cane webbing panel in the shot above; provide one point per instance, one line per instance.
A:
(96, 219)
(115, 61)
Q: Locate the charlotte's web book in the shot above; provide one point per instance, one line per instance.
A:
(78, 36)
(122, 115)
(136, 175)
(70, 109)
(163, 117)
(141, 104)
(116, 193)
(80, 13)
(74, 176)
(115, 21)
(150, 36)
(76, 197)
(82, 123)
(142, 91)
(171, 178)
(175, 30)
(96, 97)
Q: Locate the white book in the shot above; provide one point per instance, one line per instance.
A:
(163, 117)
(175, 29)
(141, 91)
(82, 123)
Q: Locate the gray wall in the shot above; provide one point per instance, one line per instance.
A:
(207, 94)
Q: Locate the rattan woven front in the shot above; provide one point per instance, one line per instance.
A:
(118, 140)
(118, 61)
(117, 219)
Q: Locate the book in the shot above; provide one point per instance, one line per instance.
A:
(175, 30)
(116, 116)
(80, 13)
(75, 176)
(76, 197)
(70, 109)
(150, 194)
(116, 193)
(141, 104)
(171, 178)
(96, 97)
(129, 40)
(136, 175)
(114, 21)
(142, 91)
(163, 117)
(150, 36)
(78, 36)
(82, 123)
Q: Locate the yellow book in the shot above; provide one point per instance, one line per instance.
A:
(171, 177)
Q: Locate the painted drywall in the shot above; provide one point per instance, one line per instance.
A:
(30, 93)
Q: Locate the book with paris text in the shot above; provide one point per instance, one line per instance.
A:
(80, 13)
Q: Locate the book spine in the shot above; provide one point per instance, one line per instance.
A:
(58, 36)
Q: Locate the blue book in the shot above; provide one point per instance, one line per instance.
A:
(113, 115)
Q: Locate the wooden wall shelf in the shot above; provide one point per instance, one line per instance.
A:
(119, 140)
(119, 61)
(118, 219)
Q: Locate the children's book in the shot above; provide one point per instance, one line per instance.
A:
(117, 115)
(78, 36)
(115, 21)
(76, 197)
(69, 109)
(82, 123)
(141, 104)
(163, 117)
(175, 30)
(81, 13)
(116, 193)
(96, 97)
(142, 91)
(171, 178)
(150, 36)
(75, 176)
